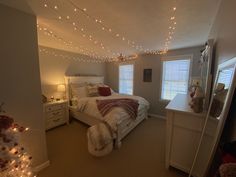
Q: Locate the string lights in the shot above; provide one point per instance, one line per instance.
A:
(81, 30)
(107, 29)
(130, 42)
(121, 58)
(69, 44)
(75, 58)
(171, 31)
(14, 160)
(72, 19)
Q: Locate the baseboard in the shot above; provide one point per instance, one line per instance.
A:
(41, 166)
(157, 116)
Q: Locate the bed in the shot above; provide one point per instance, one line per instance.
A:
(86, 112)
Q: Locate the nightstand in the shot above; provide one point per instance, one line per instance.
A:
(56, 113)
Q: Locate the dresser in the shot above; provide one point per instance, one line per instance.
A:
(56, 113)
(183, 131)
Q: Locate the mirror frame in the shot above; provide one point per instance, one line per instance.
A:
(222, 117)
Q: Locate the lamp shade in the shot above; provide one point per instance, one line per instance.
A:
(61, 88)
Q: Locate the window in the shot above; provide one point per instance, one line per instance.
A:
(225, 77)
(175, 77)
(126, 79)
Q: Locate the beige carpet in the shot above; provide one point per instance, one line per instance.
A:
(142, 153)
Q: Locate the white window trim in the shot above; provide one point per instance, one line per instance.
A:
(122, 64)
(171, 58)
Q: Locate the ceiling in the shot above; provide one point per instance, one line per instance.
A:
(127, 26)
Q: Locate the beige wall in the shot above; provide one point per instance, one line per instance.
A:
(20, 79)
(54, 68)
(151, 91)
(224, 33)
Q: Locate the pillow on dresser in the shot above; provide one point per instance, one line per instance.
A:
(92, 90)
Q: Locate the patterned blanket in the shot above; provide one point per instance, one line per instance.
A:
(129, 105)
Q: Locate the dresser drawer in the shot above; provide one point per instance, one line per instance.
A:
(55, 107)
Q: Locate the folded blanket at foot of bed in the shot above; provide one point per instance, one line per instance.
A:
(129, 105)
(100, 140)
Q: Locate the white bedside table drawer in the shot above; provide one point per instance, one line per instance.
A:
(56, 113)
(55, 107)
(50, 123)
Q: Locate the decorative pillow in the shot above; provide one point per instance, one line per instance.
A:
(74, 102)
(104, 91)
(104, 85)
(78, 92)
(92, 91)
(112, 91)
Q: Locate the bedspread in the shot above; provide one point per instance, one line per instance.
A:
(129, 105)
(88, 105)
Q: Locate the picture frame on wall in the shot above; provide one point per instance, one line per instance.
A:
(147, 75)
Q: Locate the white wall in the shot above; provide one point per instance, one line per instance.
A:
(53, 68)
(20, 79)
(151, 90)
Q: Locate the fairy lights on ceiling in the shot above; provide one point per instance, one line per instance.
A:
(105, 28)
(171, 30)
(170, 34)
(75, 25)
(85, 59)
(69, 44)
(70, 57)
(133, 44)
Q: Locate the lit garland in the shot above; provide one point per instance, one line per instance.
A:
(171, 30)
(79, 59)
(69, 44)
(14, 161)
(82, 31)
(76, 9)
(86, 60)
(95, 58)
(133, 44)
(106, 28)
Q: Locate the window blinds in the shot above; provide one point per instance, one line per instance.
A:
(126, 79)
(175, 78)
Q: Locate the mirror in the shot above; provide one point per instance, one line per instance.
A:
(206, 67)
(221, 99)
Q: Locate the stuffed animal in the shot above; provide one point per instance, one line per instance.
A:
(197, 100)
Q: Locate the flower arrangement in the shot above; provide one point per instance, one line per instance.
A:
(14, 161)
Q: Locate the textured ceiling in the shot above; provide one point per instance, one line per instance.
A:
(142, 25)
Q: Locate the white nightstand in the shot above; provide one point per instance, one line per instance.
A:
(56, 113)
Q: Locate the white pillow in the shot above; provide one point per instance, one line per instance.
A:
(78, 92)
(92, 91)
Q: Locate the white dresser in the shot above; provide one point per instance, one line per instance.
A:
(183, 132)
(56, 113)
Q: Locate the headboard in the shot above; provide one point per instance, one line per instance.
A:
(81, 79)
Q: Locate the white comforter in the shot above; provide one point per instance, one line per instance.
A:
(88, 105)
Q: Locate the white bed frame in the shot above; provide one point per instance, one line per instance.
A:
(123, 128)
